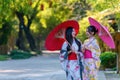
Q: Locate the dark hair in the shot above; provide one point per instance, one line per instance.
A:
(69, 38)
(92, 29)
(68, 35)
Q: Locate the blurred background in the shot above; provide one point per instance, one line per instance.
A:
(25, 24)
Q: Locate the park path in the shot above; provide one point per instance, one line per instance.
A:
(42, 67)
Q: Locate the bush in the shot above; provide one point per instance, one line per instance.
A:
(3, 57)
(108, 59)
(19, 54)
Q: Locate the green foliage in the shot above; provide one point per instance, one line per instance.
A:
(100, 5)
(5, 31)
(19, 54)
(82, 32)
(108, 59)
(3, 57)
(51, 22)
(60, 10)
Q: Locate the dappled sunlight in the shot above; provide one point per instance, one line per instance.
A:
(27, 70)
(5, 71)
(29, 73)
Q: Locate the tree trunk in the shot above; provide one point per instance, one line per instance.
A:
(26, 28)
(118, 54)
(30, 39)
(117, 49)
(20, 40)
(29, 36)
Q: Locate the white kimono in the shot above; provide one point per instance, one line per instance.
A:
(91, 65)
(71, 67)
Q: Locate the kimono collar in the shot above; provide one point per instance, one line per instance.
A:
(91, 38)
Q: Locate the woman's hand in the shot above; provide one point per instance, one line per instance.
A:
(86, 47)
(77, 52)
(73, 49)
(83, 48)
(69, 52)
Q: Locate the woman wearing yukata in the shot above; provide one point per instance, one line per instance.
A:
(91, 53)
(71, 48)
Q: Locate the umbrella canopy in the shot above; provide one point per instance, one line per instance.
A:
(103, 33)
(56, 37)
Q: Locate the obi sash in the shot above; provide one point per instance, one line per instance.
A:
(72, 56)
(87, 54)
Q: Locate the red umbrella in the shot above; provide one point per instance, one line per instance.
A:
(103, 33)
(56, 37)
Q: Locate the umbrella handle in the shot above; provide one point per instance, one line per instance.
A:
(60, 34)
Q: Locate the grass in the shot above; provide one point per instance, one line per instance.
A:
(18, 54)
(3, 57)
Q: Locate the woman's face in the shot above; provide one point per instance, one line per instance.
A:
(88, 34)
(73, 33)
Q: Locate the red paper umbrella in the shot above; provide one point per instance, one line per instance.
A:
(56, 37)
(103, 33)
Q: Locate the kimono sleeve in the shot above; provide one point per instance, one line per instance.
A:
(96, 54)
(62, 55)
(95, 49)
(63, 52)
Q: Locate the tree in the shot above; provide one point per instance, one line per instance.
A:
(26, 27)
(6, 22)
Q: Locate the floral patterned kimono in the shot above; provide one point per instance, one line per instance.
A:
(91, 59)
(69, 62)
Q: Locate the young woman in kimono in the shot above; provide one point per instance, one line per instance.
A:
(91, 53)
(71, 48)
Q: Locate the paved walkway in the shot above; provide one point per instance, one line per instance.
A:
(112, 75)
(45, 67)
